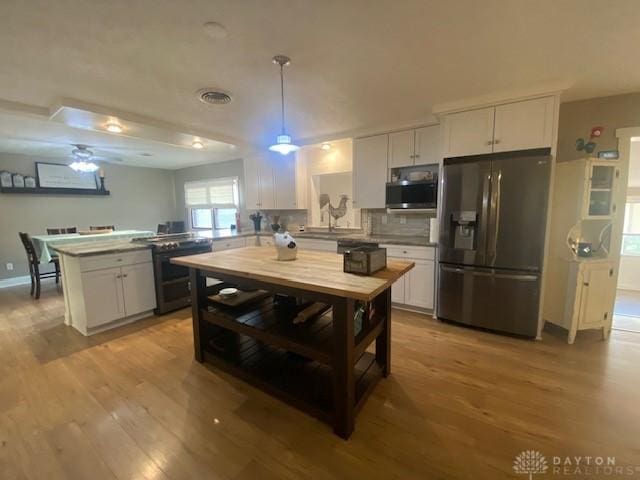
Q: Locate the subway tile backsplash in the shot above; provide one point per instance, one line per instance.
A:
(379, 222)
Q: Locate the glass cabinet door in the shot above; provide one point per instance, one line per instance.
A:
(600, 193)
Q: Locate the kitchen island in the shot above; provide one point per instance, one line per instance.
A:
(106, 284)
(320, 365)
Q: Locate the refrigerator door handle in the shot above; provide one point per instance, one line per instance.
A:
(494, 217)
(506, 276)
(452, 270)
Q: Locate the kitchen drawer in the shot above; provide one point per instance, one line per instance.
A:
(228, 244)
(99, 262)
(401, 251)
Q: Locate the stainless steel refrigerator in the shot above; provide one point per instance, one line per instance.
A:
(492, 234)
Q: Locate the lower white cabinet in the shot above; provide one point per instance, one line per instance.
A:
(104, 291)
(103, 296)
(591, 289)
(416, 288)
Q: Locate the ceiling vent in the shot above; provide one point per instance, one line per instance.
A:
(213, 96)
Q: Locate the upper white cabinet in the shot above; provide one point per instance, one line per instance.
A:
(468, 133)
(414, 147)
(401, 149)
(508, 127)
(271, 182)
(523, 125)
(427, 145)
(370, 171)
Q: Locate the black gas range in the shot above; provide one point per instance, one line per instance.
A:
(172, 281)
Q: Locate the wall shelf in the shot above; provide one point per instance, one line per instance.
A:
(55, 191)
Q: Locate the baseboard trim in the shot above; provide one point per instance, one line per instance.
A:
(15, 281)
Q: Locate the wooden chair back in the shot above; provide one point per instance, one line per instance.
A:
(163, 228)
(32, 256)
(176, 227)
(60, 231)
(102, 227)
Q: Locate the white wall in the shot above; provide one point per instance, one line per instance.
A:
(140, 199)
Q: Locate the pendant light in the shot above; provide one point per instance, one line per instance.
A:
(283, 143)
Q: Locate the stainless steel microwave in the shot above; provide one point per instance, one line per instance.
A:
(408, 195)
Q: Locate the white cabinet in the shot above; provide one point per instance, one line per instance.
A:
(419, 284)
(103, 296)
(427, 145)
(251, 183)
(508, 127)
(271, 182)
(414, 147)
(524, 125)
(138, 291)
(468, 133)
(370, 171)
(104, 291)
(417, 287)
(401, 149)
(397, 289)
(591, 287)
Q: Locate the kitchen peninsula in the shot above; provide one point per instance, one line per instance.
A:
(319, 365)
(106, 284)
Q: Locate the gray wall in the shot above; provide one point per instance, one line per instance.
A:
(140, 199)
(577, 119)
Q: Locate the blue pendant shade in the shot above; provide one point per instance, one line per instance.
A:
(283, 143)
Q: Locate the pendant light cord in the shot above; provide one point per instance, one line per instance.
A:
(282, 94)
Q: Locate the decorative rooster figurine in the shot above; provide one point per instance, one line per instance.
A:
(335, 212)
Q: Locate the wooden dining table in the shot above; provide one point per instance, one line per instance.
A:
(42, 242)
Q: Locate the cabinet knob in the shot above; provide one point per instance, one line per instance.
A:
(125, 275)
(495, 142)
(490, 142)
(416, 156)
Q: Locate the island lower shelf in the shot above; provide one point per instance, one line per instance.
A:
(301, 382)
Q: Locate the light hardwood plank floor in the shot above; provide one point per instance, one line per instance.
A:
(460, 403)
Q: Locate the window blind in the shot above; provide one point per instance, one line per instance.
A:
(216, 193)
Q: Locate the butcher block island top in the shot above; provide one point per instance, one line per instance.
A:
(313, 270)
(305, 331)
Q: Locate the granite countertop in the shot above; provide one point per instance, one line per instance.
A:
(86, 249)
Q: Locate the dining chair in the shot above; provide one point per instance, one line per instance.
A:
(34, 266)
(103, 227)
(163, 228)
(60, 231)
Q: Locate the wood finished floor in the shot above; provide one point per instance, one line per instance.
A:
(133, 404)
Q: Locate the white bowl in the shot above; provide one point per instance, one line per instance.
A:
(228, 292)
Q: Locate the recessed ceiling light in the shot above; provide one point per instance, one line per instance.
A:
(215, 30)
(197, 144)
(114, 127)
(325, 146)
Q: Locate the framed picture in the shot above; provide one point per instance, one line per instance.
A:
(5, 179)
(18, 180)
(30, 182)
(56, 175)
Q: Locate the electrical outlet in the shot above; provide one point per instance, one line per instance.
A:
(403, 219)
(9, 266)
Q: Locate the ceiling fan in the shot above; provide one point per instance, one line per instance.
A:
(82, 159)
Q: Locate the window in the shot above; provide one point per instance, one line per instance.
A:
(212, 203)
(631, 232)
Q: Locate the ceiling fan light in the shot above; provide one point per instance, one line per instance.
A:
(84, 167)
(283, 145)
(197, 144)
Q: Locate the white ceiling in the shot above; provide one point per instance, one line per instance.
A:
(358, 65)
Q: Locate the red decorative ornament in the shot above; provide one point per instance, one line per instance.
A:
(596, 132)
